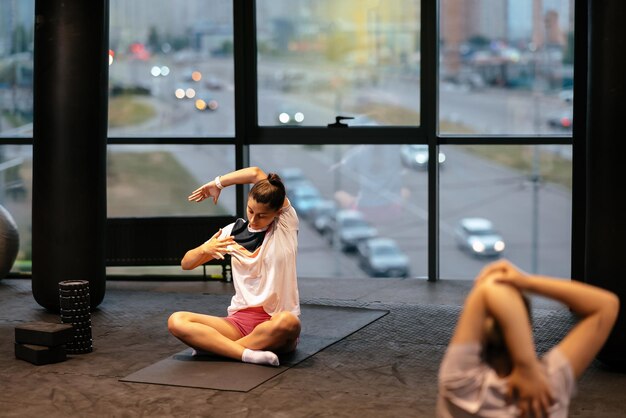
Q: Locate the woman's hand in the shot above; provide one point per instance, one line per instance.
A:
(491, 271)
(499, 271)
(210, 189)
(529, 388)
(217, 247)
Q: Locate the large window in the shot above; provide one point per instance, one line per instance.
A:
(505, 201)
(506, 67)
(318, 59)
(505, 77)
(16, 68)
(155, 180)
(16, 116)
(363, 212)
(456, 133)
(171, 69)
(16, 172)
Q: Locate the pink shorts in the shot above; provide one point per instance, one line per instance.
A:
(245, 320)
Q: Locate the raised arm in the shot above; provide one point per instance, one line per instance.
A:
(213, 188)
(505, 305)
(598, 309)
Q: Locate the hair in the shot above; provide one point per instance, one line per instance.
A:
(270, 192)
(495, 351)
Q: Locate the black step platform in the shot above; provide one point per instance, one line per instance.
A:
(44, 334)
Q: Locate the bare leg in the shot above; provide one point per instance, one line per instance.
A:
(208, 333)
(279, 334)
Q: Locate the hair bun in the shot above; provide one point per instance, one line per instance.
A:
(274, 179)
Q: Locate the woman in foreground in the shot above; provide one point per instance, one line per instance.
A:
(490, 368)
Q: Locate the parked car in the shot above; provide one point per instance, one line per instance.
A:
(289, 116)
(381, 257)
(415, 156)
(206, 104)
(293, 177)
(349, 228)
(479, 237)
(321, 213)
(305, 198)
(561, 121)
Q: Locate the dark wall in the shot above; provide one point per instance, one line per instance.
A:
(606, 169)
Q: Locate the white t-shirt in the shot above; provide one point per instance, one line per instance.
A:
(269, 279)
(468, 387)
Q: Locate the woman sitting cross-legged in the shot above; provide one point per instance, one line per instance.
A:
(263, 317)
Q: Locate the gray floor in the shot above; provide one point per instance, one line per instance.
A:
(387, 369)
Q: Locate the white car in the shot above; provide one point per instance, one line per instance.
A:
(479, 237)
(415, 156)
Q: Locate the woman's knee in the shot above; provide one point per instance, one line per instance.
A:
(176, 323)
(286, 324)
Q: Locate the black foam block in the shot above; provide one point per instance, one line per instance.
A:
(43, 333)
(39, 355)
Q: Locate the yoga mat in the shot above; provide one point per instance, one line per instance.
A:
(322, 326)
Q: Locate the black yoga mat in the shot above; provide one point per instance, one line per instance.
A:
(322, 326)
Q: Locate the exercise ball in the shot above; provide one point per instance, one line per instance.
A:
(9, 242)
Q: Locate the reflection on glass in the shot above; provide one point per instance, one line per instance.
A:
(319, 59)
(16, 68)
(171, 68)
(506, 67)
(506, 201)
(16, 173)
(144, 181)
(362, 213)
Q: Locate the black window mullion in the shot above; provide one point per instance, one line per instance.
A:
(244, 20)
(429, 106)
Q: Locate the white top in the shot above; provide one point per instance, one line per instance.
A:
(269, 278)
(468, 387)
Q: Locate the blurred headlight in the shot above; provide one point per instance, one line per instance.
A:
(442, 157)
(499, 246)
(283, 118)
(421, 159)
(180, 93)
(299, 117)
(478, 246)
(200, 104)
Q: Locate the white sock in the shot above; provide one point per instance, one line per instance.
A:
(259, 357)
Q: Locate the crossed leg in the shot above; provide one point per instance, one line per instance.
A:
(218, 336)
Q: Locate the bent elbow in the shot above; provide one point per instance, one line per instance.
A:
(612, 307)
(185, 265)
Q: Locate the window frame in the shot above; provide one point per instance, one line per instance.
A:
(247, 131)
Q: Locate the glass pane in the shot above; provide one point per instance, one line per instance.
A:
(506, 200)
(16, 173)
(362, 213)
(145, 181)
(322, 58)
(506, 67)
(16, 68)
(171, 68)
